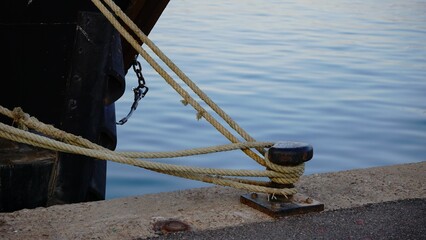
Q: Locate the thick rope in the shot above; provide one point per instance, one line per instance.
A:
(209, 175)
(69, 143)
(196, 173)
(23, 120)
(187, 98)
(144, 38)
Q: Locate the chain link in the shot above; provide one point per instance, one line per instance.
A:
(139, 91)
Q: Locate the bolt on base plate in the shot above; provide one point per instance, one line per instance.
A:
(296, 204)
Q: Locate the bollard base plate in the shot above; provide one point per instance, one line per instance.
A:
(277, 208)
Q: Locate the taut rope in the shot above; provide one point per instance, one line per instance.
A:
(58, 140)
(185, 95)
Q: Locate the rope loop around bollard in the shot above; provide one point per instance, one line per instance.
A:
(57, 140)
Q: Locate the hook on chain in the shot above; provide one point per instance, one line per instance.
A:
(139, 91)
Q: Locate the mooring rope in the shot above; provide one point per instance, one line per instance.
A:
(201, 112)
(210, 175)
(203, 96)
(25, 121)
(49, 137)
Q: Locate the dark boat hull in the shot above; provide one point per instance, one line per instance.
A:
(65, 65)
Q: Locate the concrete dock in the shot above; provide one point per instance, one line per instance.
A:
(375, 203)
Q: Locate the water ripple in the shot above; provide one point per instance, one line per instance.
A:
(346, 76)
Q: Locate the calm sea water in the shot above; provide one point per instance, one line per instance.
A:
(348, 77)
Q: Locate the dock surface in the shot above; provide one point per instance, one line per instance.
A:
(403, 219)
(374, 203)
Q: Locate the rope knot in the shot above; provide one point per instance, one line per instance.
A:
(184, 102)
(19, 117)
(19, 114)
(200, 114)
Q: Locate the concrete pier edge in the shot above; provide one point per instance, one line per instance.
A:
(211, 208)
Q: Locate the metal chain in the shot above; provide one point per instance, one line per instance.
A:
(139, 91)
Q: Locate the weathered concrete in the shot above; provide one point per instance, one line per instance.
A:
(207, 208)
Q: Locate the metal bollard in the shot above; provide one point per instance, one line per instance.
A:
(284, 154)
(289, 154)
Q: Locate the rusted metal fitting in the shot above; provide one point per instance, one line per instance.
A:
(281, 207)
(170, 226)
